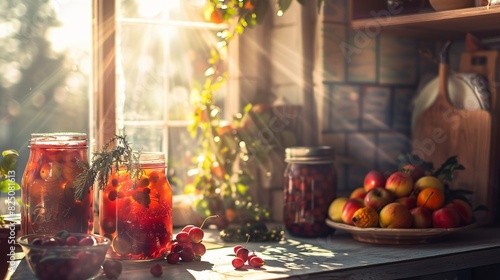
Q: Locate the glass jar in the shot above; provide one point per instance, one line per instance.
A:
(48, 196)
(310, 185)
(136, 213)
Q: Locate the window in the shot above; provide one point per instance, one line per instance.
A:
(161, 51)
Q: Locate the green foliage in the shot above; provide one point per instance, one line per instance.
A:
(8, 165)
(103, 162)
(222, 179)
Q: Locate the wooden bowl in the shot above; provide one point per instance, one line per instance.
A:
(444, 5)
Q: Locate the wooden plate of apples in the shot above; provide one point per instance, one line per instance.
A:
(408, 206)
(378, 235)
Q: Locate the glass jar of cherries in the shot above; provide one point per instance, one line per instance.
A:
(47, 187)
(136, 211)
(310, 185)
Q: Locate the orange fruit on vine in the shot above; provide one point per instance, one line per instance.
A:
(431, 198)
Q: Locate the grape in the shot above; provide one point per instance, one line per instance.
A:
(238, 263)
(256, 262)
(156, 270)
(112, 268)
(187, 255)
(173, 258)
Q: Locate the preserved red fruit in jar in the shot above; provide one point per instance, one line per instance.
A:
(309, 187)
(136, 211)
(47, 187)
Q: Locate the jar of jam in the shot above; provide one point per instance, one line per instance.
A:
(309, 187)
(47, 187)
(135, 212)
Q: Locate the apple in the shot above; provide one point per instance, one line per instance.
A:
(335, 209)
(377, 198)
(429, 182)
(373, 179)
(395, 215)
(464, 211)
(409, 201)
(400, 184)
(422, 217)
(358, 193)
(415, 171)
(351, 206)
(446, 217)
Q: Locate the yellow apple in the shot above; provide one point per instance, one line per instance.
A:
(429, 182)
(335, 209)
(395, 215)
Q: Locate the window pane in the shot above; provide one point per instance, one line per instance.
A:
(163, 49)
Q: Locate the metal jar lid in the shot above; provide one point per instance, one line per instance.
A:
(320, 154)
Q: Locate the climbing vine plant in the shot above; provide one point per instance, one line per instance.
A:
(222, 187)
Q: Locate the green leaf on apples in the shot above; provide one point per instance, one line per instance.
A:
(447, 169)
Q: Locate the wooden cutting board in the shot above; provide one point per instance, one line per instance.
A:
(443, 130)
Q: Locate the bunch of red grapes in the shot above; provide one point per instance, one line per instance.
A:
(188, 245)
(243, 256)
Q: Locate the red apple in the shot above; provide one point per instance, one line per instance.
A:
(351, 206)
(358, 193)
(415, 171)
(422, 217)
(377, 198)
(464, 211)
(400, 184)
(373, 179)
(409, 201)
(446, 217)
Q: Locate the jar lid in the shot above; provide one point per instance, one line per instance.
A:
(152, 158)
(59, 139)
(309, 154)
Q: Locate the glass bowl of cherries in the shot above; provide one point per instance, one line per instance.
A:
(64, 255)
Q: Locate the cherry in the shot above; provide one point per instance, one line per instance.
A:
(236, 248)
(173, 258)
(112, 268)
(187, 228)
(199, 249)
(187, 255)
(176, 248)
(156, 270)
(238, 263)
(243, 254)
(182, 237)
(86, 241)
(251, 256)
(256, 262)
(196, 233)
(71, 241)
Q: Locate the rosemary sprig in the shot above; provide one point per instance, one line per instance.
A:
(102, 163)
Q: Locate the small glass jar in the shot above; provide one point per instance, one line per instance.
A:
(48, 197)
(310, 185)
(136, 213)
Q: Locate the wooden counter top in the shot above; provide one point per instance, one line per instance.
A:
(338, 256)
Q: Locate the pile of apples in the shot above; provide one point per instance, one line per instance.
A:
(408, 198)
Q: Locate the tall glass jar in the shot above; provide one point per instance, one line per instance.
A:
(136, 213)
(310, 185)
(47, 193)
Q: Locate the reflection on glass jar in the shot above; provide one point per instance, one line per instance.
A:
(136, 212)
(310, 187)
(47, 192)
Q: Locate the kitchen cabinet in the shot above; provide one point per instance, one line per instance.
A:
(372, 16)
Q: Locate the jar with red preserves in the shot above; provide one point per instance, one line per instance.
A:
(47, 188)
(135, 212)
(310, 185)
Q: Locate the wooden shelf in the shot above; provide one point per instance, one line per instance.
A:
(481, 21)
